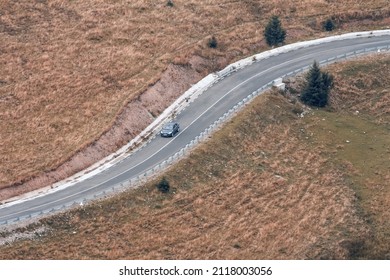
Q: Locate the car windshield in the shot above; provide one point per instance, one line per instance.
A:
(169, 126)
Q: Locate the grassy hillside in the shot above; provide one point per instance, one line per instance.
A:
(268, 185)
(73, 72)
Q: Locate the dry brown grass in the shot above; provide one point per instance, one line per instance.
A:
(355, 134)
(268, 196)
(290, 188)
(368, 91)
(69, 68)
(361, 99)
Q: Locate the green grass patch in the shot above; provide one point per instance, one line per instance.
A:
(361, 149)
(354, 139)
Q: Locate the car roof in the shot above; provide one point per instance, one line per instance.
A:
(170, 124)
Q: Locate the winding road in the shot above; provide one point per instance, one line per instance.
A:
(194, 119)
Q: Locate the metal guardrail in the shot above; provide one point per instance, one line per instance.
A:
(147, 134)
(138, 180)
(208, 131)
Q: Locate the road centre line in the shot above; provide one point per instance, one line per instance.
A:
(234, 88)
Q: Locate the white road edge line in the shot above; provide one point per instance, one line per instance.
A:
(244, 82)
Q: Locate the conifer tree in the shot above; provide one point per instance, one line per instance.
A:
(212, 43)
(274, 33)
(170, 3)
(329, 25)
(317, 88)
(163, 186)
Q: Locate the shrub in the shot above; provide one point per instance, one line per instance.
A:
(274, 33)
(329, 25)
(170, 3)
(317, 87)
(163, 186)
(212, 43)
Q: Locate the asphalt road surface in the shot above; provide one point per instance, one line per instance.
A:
(193, 120)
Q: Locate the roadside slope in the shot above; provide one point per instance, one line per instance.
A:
(74, 76)
(268, 185)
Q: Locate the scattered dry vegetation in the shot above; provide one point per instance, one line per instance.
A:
(74, 74)
(290, 188)
(368, 92)
(357, 136)
(250, 199)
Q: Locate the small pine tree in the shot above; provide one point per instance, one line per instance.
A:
(274, 33)
(170, 3)
(212, 43)
(163, 185)
(329, 25)
(317, 88)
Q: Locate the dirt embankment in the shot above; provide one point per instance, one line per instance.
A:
(291, 187)
(134, 117)
(79, 80)
(69, 68)
(270, 195)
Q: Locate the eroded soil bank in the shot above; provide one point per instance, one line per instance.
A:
(83, 78)
(134, 117)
